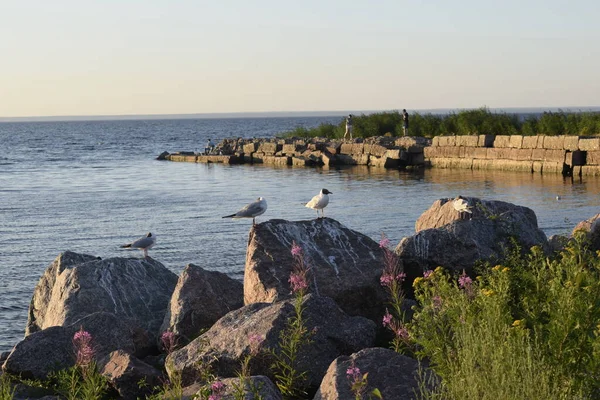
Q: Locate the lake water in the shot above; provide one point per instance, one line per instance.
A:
(90, 187)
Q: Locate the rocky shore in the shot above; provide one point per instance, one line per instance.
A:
(127, 304)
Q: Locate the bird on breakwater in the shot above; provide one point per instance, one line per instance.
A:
(319, 202)
(462, 206)
(252, 210)
(143, 243)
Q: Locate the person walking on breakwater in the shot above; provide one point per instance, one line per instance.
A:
(348, 127)
(210, 146)
(405, 122)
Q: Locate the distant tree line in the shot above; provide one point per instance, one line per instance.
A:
(469, 122)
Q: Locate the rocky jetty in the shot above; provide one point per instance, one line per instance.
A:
(126, 305)
(381, 151)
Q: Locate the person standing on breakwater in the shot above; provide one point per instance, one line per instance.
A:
(209, 147)
(405, 122)
(348, 126)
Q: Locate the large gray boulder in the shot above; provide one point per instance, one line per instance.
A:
(225, 345)
(591, 227)
(344, 264)
(445, 238)
(52, 349)
(394, 375)
(76, 285)
(125, 372)
(200, 298)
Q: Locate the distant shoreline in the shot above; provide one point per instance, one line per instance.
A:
(285, 114)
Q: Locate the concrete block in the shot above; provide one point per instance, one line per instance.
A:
(516, 141)
(357, 148)
(361, 159)
(328, 159)
(485, 140)
(393, 153)
(416, 159)
(346, 148)
(555, 156)
(257, 158)
(250, 148)
(480, 152)
(538, 154)
(494, 153)
(571, 143)
(554, 142)
(345, 159)
(552, 167)
(502, 141)
(590, 170)
(537, 166)
(273, 160)
(383, 162)
(446, 141)
(289, 149)
(333, 147)
(435, 141)
(451, 151)
(302, 162)
(268, 148)
(520, 154)
(589, 144)
(468, 152)
(429, 152)
(530, 142)
(577, 170)
(482, 164)
(467, 140)
(513, 165)
(375, 149)
(592, 157)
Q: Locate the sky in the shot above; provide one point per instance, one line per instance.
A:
(108, 57)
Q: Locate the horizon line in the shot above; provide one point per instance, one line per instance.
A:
(263, 114)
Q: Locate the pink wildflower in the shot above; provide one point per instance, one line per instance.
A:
(387, 319)
(217, 389)
(401, 277)
(427, 273)
(384, 242)
(168, 341)
(386, 280)
(296, 250)
(464, 282)
(437, 302)
(402, 333)
(82, 345)
(353, 373)
(298, 282)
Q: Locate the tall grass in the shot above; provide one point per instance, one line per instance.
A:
(479, 121)
(528, 329)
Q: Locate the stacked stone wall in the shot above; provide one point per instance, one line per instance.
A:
(569, 155)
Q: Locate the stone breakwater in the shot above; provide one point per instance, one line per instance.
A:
(385, 152)
(569, 155)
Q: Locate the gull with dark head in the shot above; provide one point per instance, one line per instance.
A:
(143, 243)
(319, 202)
(252, 210)
(462, 206)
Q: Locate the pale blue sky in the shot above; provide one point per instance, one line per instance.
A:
(67, 57)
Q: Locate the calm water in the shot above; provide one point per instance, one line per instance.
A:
(91, 186)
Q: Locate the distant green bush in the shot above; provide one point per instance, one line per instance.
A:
(479, 121)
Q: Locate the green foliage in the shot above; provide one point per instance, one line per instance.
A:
(479, 121)
(527, 329)
(79, 383)
(289, 380)
(6, 389)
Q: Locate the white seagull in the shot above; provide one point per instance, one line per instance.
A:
(252, 210)
(462, 206)
(143, 243)
(319, 202)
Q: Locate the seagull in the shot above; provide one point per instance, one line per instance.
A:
(462, 206)
(143, 243)
(319, 202)
(252, 210)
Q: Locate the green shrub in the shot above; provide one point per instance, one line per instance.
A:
(528, 329)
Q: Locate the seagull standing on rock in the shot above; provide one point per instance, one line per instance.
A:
(462, 206)
(319, 202)
(143, 243)
(252, 210)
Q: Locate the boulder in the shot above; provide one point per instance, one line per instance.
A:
(445, 238)
(76, 285)
(394, 375)
(254, 387)
(125, 372)
(557, 243)
(591, 227)
(52, 349)
(333, 333)
(344, 264)
(200, 298)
